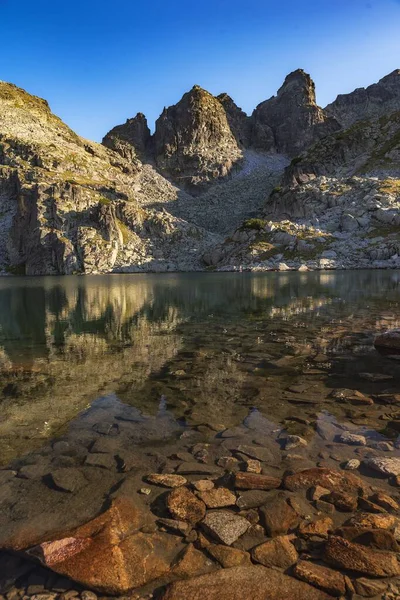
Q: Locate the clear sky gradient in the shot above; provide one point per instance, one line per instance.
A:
(99, 62)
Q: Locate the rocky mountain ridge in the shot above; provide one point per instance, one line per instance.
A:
(143, 202)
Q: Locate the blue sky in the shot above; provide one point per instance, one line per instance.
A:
(99, 62)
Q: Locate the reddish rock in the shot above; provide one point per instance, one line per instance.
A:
(368, 588)
(184, 505)
(255, 582)
(108, 554)
(330, 479)
(354, 557)
(254, 481)
(278, 517)
(278, 552)
(322, 577)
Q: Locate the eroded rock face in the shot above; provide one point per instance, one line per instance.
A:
(365, 103)
(193, 140)
(291, 120)
(239, 123)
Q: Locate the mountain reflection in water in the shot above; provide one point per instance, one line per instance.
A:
(212, 346)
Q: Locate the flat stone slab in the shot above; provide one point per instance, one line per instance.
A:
(193, 468)
(225, 526)
(385, 465)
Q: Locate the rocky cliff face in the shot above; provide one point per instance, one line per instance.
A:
(193, 140)
(291, 121)
(68, 205)
(131, 139)
(377, 100)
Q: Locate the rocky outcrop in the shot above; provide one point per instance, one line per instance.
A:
(129, 139)
(377, 100)
(239, 122)
(291, 120)
(193, 140)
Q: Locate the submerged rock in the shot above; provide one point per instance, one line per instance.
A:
(346, 555)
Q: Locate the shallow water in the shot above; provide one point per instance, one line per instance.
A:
(197, 350)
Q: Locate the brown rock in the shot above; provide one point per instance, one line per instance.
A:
(107, 554)
(386, 501)
(372, 521)
(278, 552)
(331, 479)
(321, 528)
(369, 506)
(375, 538)
(170, 481)
(183, 505)
(257, 582)
(252, 499)
(342, 501)
(354, 557)
(253, 481)
(369, 587)
(278, 517)
(218, 498)
(253, 466)
(190, 563)
(228, 557)
(324, 578)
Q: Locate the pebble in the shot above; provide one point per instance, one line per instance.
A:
(352, 464)
(146, 491)
(353, 439)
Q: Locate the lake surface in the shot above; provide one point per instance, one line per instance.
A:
(191, 351)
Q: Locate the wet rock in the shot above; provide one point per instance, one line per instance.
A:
(327, 478)
(225, 526)
(389, 339)
(375, 377)
(369, 506)
(259, 453)
(278, 517)
(260, 583)
(103, 461)
(184, 505)
(352, 439)
(252, 499)
(218, 498)
(194, 468)
(253, 481)
(87, 595)
(320, 527)
(169, 481)
(180, 527)
(108, 554)
(372, 521)
(190, 563)
(254, 536)
(203, 485)
(368, 588)
(322, 577)
(230, 463)
(324, 506)
(294, 441)
(68, 480)
(228, 557)
(145, 491)
(354, 557)
(384, 465)
(278, 552)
